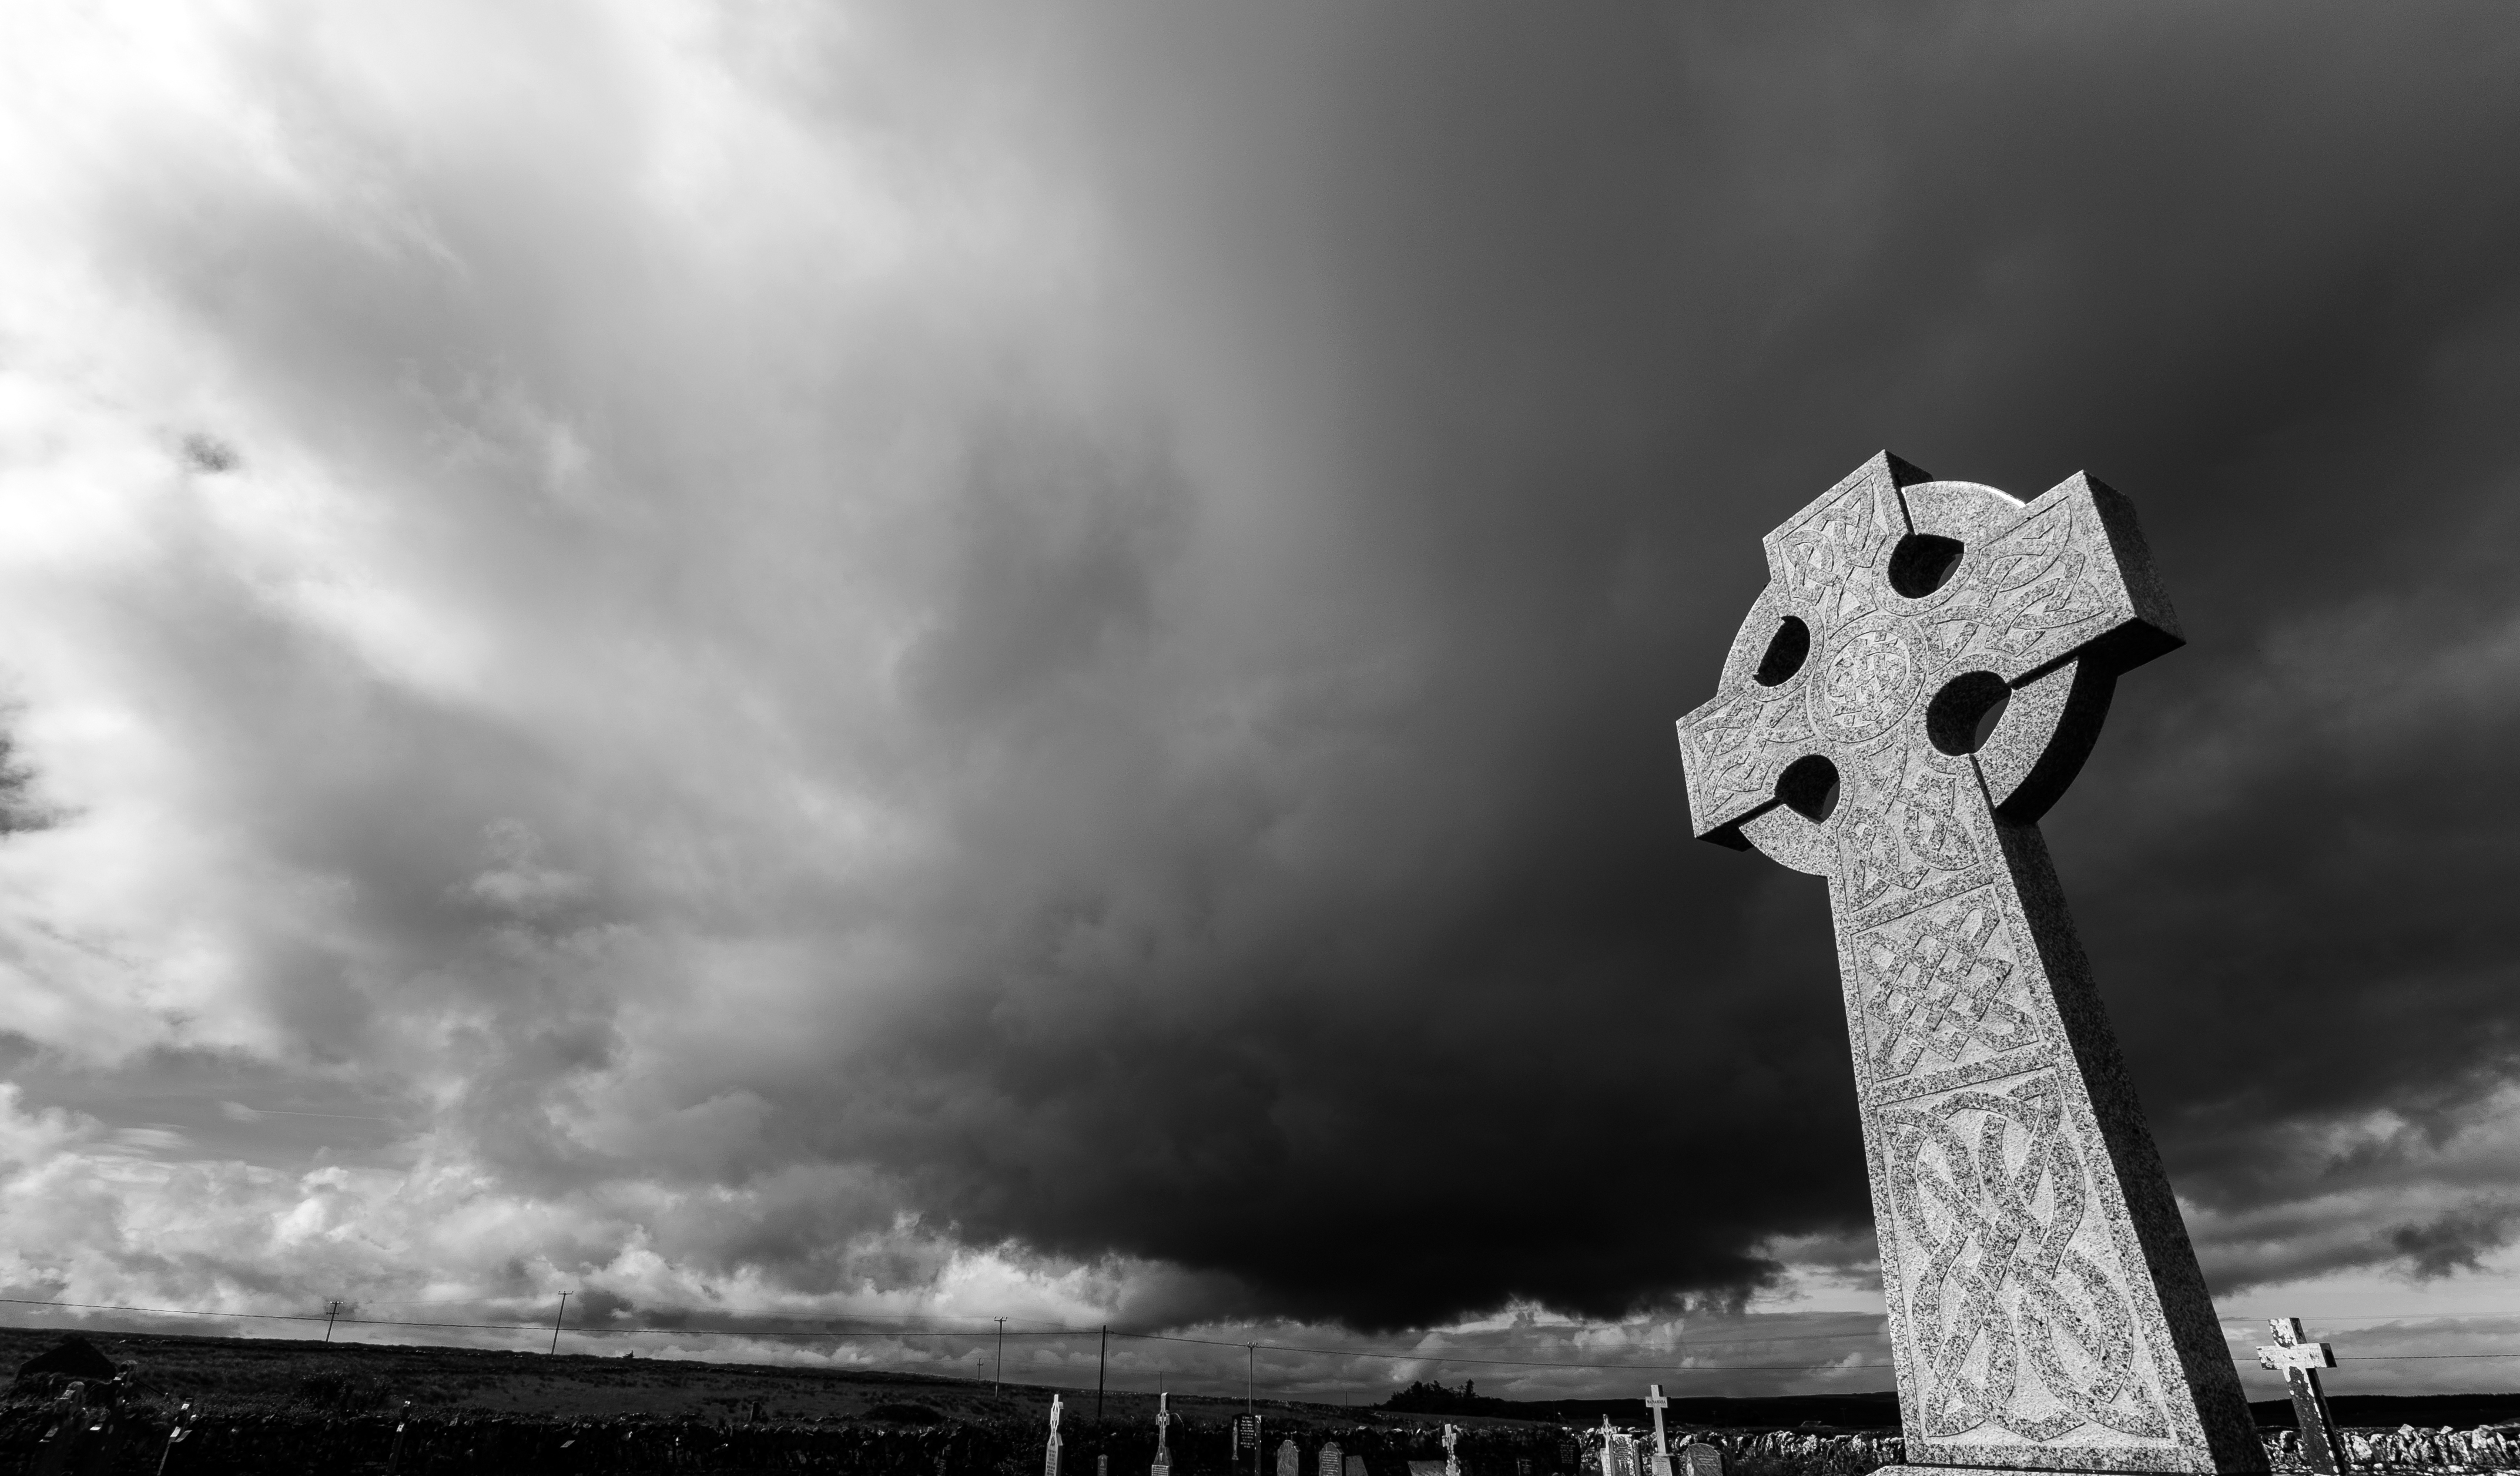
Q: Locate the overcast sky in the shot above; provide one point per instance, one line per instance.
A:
(814, 659)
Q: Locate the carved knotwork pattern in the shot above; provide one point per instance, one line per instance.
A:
(2015, 1325)
(1736, 746)
(1871, 858)
(1827, 559)
(1902, 827)
(1930, 822)
(1941, 982)
(1869, 683)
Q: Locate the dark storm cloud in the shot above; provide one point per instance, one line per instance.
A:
(1600, 300)
(862, 658)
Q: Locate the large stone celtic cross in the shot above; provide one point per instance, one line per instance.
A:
(1922, 678)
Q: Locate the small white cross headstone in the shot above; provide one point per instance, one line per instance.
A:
(2322, 1450)
(1050, 1458)
(1163, 1466)
(1451, 1455)
(1662, 1447)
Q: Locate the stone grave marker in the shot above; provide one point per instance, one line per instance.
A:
(1656, 1401)
(2322, 1450)
(1290, 1461)
(1698, 1459)
(1618, 1451)
(1050, 1456)
(1330, 1463)
(1355, 1465)
(1452, 1451)
(1163, 1462)
(1922, 676)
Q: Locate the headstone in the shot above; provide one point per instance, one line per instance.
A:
(1290, 1461)
(1922, 676)
(1331, 1463)
(1662, 1447)
(1452, 1451)
(2322, 1450)
(1566, 1452)
(1618, 1451)
(1163, 1462)
(1698, 1459)
(1050, 1456)
(1354, 1465)
(1246, 1434)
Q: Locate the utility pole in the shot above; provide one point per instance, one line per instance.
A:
(1099, 1359)
(997, 1383)
(555, 1319)
(331, 1310)
(1251, 1360)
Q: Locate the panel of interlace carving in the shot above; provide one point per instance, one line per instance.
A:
(1830, 556)
(2016, 1292)
(1916, 827)
(1947, 986)
(1736, 749)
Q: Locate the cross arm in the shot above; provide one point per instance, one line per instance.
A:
(2071, 578)
(2297, 1355)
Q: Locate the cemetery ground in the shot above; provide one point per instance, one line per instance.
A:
(285, 1406)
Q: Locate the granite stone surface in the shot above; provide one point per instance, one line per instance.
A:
(1924, 674)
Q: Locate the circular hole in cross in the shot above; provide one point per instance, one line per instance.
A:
(1809, 787)
(1922, 562)
(1787, 651)
(1963, 714)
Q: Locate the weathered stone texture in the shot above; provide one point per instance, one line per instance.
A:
(2046, 1309)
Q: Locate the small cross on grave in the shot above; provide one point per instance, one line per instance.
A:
(1452, 1452)
(1656, 1401)
(2322, 1447)
(1922, 678)
(1618, 1451)
(1050, 1458)
(1163, 1466)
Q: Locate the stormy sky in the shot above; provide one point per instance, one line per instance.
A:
(786, 662)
